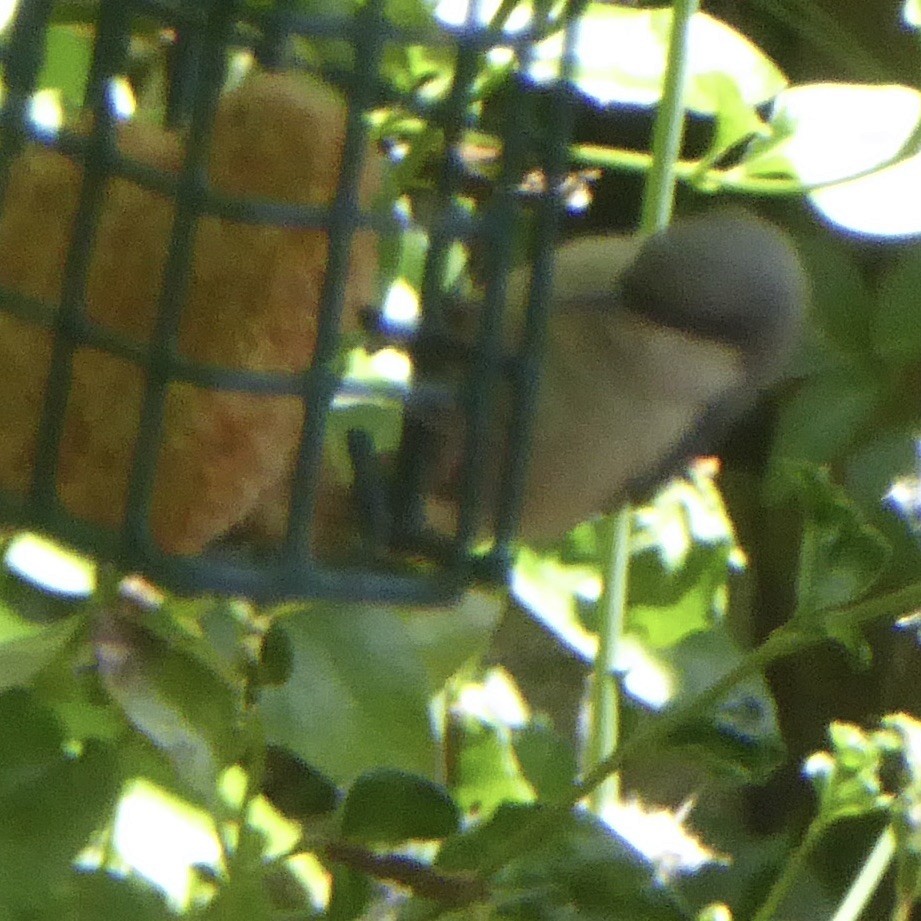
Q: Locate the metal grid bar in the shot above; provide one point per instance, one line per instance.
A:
(204, 33)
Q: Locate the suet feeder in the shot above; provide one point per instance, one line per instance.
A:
(177, 286)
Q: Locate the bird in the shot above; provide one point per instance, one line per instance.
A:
(252, 304)
(654, 347)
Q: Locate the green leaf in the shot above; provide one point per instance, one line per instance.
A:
(840, 298)
(872, 470)
(843, 130)
(847, 779)
(294, 788)
(686, 513)
(740, 736)
(847, 402)
(27, 648)
(897, 333)
(666, 607)
(50, 802)
(547, 761)
(100, 897)
(358, 694)
(410, 14)
(842, 555)
(551, 591)
(736, 119)
(243, 898)
(277, 658)
(559, 864)
(68, 55)
(681, 544)
(446, 639)
(485, 770)
(170, 695)
(350, 894)
(286, 890)
(621, 57)
(391, 807)
(30, 739)
(224, 629)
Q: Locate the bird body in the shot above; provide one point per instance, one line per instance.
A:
(582, 460)
(652, 348)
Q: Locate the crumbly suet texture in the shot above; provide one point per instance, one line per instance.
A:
(252, 304)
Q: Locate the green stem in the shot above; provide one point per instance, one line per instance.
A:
(108, 588)
(669, 126)
(734, 179)
(108, 853)
(806, 568)
(779, 644)
(783, 642)
(237, 849)
(657, 208)
(792, 869)
(866, 881)
(604, 725)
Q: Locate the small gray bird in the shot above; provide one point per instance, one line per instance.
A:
(653, 348)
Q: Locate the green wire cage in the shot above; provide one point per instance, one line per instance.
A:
(178, 287)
